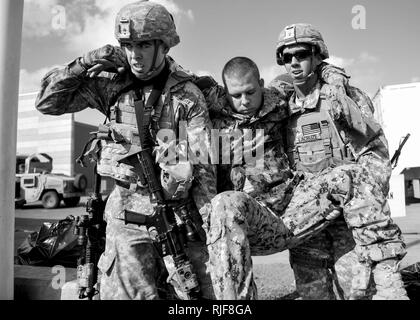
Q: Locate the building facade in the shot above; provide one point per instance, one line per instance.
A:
(397, 109)
(61, 137)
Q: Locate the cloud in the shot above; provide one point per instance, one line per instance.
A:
(342, 62)
(37, 16)
(190, 14)
(86, 24)
(339, 61)
(415, 79)
(270, 72)
(31, 81)
(367, 57)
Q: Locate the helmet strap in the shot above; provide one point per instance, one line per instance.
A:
(154, 68)
(306, 85)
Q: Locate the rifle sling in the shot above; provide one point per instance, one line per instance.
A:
(144, 112)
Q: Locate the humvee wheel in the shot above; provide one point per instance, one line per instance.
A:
(80, 182)
(71, 202)
(50, 200)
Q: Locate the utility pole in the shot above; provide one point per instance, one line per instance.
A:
(11, 16)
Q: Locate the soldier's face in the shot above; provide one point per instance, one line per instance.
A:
(140, 56)
(298, 60)
(245, 93)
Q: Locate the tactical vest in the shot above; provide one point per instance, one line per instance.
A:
(313, 141)
(119, 139)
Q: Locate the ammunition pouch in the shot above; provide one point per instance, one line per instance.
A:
(114, 148)
(315, 142)
(320, 164)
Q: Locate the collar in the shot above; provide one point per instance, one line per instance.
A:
(270, 106)
(309, 102)
(157, 81)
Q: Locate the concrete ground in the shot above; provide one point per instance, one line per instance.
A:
(273, 274)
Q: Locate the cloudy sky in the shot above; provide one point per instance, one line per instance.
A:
(376, 41)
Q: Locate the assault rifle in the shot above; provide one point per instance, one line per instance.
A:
(394, 159)
(171, 236)
(90, 229)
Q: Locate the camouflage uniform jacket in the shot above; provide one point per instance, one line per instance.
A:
(345, 100)
(351, 112)
(63, 91)
(343, 93)
(272, 182)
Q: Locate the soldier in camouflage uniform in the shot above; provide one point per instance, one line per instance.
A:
(111, 79)
(327, 131)
(270, 209)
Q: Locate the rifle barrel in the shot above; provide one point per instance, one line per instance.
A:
(397, 152)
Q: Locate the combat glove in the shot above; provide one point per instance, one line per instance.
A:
(107, 58)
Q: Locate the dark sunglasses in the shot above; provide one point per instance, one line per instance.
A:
(299, 55)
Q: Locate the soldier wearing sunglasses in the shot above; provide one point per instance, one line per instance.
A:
(328, 132)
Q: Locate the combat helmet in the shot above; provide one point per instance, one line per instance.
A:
(144, 21)
(300, 33)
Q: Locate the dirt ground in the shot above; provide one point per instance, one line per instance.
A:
(274, 277)
(273, 274)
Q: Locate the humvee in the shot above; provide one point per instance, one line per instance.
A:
(35, 182)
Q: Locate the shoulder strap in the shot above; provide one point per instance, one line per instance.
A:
(144, 111)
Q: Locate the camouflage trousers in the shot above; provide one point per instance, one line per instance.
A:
(326, 266)
(131, 267)
(378, 240)
(368, 213)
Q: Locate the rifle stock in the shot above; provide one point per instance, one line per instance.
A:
(90, 229)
